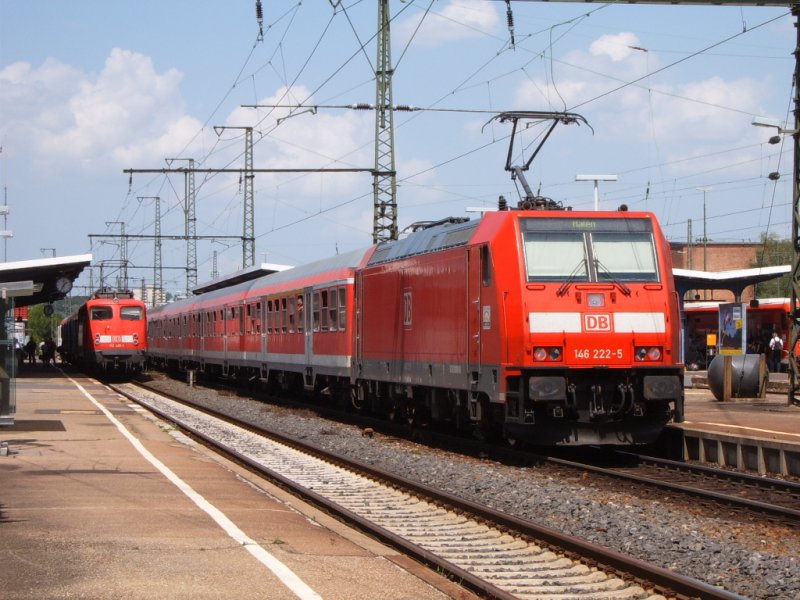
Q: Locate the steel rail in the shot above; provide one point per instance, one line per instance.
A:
(663, 580)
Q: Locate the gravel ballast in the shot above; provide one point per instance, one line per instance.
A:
(753, 560)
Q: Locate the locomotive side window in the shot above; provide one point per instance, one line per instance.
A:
(486, 266)
(131, 313)
(101, 313)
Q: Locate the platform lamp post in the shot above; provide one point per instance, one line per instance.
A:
(794, 312)
(596, 179)
(705, 236)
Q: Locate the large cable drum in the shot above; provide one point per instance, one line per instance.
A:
(746, 376)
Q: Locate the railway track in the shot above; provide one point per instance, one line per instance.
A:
(774, 498)
(491, 552)
(743, 493)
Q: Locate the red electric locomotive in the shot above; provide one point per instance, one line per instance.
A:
(552, 327)
(545, 326)
(107, 335)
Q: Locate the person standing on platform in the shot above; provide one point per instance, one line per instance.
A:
(775, 352)
(30, 350)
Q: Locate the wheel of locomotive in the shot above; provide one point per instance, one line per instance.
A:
(486, 429)
(358, 395)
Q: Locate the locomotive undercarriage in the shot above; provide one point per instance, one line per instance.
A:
(594, 406)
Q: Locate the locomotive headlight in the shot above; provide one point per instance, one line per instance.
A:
(652, 354)
(543, 353)
(97, 338)
(135, 339)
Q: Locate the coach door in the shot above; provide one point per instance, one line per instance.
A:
(310, 309)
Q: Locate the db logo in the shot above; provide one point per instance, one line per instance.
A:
(597, 322)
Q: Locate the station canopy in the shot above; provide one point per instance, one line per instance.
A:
(735, 281)
(41, 281)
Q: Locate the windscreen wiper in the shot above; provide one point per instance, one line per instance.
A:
(603, 270)
(565, 286)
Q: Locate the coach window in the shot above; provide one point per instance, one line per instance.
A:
(299, 312)
(324, 309)
(101, 313)
(342, 308)
(316, 311)
(131, 313)
(269, 316)
(333, 310)
(291, 314)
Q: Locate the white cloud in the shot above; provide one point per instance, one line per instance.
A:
(126, 112)
(618, 47)
(329, 138)
(458, 20)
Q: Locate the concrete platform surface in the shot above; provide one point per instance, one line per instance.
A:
(753, 434)
(84, 514)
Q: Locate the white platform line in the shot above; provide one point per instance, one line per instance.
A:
(286, 575)
(742, 427)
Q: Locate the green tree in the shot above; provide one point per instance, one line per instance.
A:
(774, 251)
(40, 325)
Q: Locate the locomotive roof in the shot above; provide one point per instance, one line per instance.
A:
(435, 238)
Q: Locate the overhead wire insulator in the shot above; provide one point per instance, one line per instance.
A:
(260, 19)
(362, 106)
(510, 19)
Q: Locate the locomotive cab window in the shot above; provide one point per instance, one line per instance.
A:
(101, 313)
(131, 313)
(594, 250)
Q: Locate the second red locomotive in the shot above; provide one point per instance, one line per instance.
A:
(544, 326)
(107, 335)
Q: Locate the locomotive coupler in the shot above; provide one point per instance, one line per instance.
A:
(572, 397)
(626, 399)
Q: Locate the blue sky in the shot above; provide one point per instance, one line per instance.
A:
(89, 88)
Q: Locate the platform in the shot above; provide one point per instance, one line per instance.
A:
(99, 499)
(759, 435)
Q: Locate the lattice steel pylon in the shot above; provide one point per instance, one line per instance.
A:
(158, 278)
(191, 223)
(158, 281)
(248, 231)
(384, 223)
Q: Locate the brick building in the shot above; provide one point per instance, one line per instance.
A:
(716, 257)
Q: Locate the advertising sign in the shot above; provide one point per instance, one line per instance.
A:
(732, 328)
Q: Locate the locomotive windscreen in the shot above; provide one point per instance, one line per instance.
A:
(595, 250)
